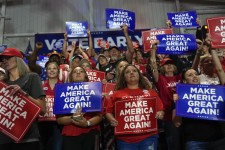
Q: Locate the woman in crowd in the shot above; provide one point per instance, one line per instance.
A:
(166, 81)
(198, 133)
(131, 84)
(20, 79)
(81, 133)
(85, 64)
(51, 138)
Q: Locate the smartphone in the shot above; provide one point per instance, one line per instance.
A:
(77, 117)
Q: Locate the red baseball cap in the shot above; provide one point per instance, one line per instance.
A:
(166, 61)
(14, 52)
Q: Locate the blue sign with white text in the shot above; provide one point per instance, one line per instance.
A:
(54, 40)
(71, 96)
(77, 29)
(183, 19)
(176, 44)
(201, 101)
(117, 17)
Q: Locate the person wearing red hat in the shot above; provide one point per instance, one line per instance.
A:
(20, 79)
(166, 82)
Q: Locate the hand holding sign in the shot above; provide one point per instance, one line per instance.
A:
(15, 89)
(159, 114)
(124, 28)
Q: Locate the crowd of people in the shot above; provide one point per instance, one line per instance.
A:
(84, 131)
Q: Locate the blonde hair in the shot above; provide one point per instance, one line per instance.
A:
(22, 66)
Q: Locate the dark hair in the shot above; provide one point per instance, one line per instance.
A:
(184, 72)
(71, 75)
(121, 82)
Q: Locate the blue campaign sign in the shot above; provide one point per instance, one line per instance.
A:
(70, 96)
(77, 29)
(2, 47)
(201, 101)
(41, 62)
(53, 40)
(176, 44)
(183, 19)
(117, 17)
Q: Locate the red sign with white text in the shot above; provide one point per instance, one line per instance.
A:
(48, 116)
(135, 116)
(16, 113)
(150, 35)
(141, 67)
(107, 89)
(95, 75)
(216, 28)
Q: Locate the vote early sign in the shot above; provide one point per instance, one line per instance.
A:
(71, 96)
(201, 101)
(135, 116)
(17, 113)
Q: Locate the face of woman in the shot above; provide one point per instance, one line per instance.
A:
(205, 49)
(102, 61)
(121, 66)
(75, 62)
(208, 65)
(139, 55)
(86, 66)
(78, 74)
(52, 71)
(192, 77)
(9, 63)
(169, 68)
(131, 75)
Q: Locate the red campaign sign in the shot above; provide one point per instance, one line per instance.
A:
(49, 116)
(135, 116)
(16, 113)
(95, 75)
(142, 68)
(107, 89)
(216, 28)
(150, 35)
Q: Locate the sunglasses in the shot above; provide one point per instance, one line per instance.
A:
(5, 57)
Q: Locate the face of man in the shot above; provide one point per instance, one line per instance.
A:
(114, 54)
